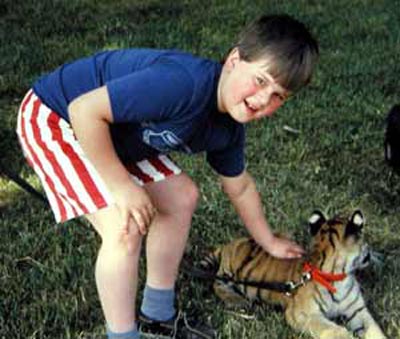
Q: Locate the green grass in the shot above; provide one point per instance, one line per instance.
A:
(335, 163)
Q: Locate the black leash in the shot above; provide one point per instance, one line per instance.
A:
(283, 287)
(23, 184)
(287, 287)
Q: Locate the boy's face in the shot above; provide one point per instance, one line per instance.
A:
(248, 91)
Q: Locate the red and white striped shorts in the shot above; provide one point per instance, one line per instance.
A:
(72, 184)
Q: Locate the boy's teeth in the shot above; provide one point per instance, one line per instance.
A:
(250, 105)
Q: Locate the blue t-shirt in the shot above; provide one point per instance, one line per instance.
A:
(161, 100)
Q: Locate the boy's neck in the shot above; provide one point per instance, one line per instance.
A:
(220, 105)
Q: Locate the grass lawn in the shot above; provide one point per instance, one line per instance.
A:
(334, 163)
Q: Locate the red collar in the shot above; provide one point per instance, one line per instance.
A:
(323, 278)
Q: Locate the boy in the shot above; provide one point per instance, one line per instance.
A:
(97, 131)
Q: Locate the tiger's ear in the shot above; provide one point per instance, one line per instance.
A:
(315, 222)
(355, 224)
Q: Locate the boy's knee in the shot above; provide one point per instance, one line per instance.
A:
(183, 199)
(188, 196)
(112, 235)
(122, 244)
(177, 195)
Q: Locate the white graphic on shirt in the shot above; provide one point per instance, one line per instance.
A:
(164, 141)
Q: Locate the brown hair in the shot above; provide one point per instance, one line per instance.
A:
(290, 50)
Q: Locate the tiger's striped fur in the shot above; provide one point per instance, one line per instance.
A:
(337, 247)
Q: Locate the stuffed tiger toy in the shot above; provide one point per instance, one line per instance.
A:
(323, 286)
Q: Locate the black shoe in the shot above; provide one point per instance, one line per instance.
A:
(177, 328)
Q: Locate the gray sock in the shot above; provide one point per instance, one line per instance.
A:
(132, 334)
(158, 304)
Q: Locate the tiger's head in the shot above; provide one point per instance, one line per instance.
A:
(337, 244)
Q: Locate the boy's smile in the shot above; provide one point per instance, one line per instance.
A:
(247, 91)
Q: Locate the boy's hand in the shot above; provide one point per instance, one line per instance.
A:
(134, 205)
(284, 248)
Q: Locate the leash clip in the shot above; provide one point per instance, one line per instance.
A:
(293, 286)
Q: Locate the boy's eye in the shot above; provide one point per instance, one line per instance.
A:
(260, 81)
(281, 97)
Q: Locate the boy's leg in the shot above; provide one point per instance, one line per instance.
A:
(116, 270)
(117, 267)
(175, 199)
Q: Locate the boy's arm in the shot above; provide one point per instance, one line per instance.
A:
(243, 194)
(90, 116)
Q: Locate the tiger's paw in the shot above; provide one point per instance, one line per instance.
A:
(336, 333)
(374, 333)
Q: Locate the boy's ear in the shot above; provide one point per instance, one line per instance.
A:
(316, 220)
(233, 58)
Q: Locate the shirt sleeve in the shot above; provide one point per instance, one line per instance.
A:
(230, 161)
(153, 93)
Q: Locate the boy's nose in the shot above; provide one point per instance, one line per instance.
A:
(263, 97)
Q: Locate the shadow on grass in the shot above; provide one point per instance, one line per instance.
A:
(12, 168)
(12, 201)
(382, 185)
(45, 272)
